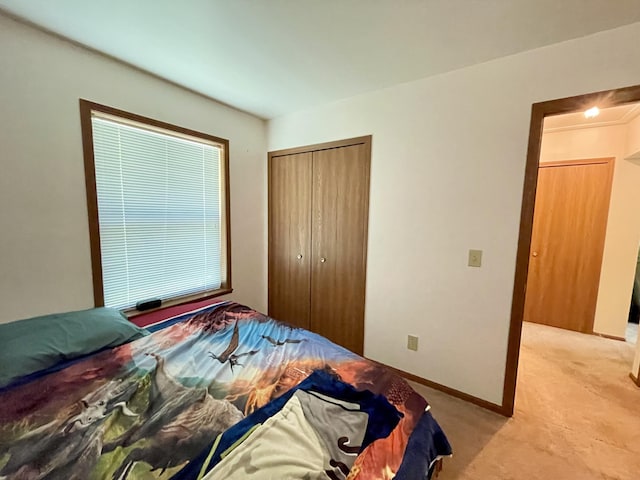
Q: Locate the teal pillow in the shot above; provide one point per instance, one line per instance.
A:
(27, 346)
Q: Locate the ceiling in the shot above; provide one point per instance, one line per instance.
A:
(271, 57)
(619, 115)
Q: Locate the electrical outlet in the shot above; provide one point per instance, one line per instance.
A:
(475, 258)
(412, 342)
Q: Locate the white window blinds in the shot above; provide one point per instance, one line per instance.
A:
(160, 212)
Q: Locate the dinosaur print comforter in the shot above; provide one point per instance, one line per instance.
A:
(145, 409)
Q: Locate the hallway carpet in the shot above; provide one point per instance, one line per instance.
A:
(577, 415)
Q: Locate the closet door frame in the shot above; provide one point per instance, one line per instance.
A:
(364, 140)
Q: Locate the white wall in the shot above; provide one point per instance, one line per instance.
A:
(44, 241)
(623, 226)
(447, 172)
(633, 138)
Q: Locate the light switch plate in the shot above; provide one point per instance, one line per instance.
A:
(475, 258)
(412, 342)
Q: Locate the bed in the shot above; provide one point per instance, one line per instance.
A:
(211, 390)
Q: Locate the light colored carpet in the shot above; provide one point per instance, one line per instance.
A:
(577, 415)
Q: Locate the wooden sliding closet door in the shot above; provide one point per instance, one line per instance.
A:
(290, 238)
(338, 269)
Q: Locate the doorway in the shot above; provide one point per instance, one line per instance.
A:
(541, 110)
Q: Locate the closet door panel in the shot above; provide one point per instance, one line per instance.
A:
(290, 238)
(340, 213)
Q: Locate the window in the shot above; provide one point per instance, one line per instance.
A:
(158, 202)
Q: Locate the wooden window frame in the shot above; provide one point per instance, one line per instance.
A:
(86, 109)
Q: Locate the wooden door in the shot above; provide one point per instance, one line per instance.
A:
(569, 226)
(290, 238)
(340, 219)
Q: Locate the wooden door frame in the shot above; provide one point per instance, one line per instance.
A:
(604, 99)
(366, 140)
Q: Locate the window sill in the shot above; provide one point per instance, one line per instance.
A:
(173, 302)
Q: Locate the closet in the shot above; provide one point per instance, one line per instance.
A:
(318, 216)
